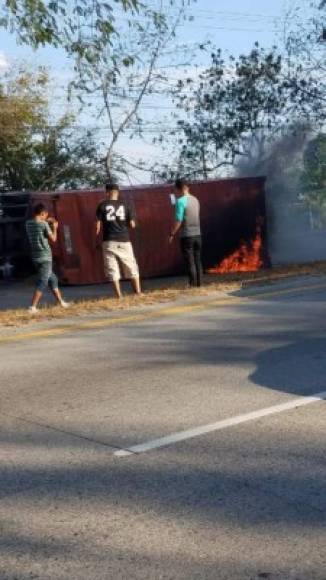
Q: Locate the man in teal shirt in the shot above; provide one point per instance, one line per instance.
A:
(187, 222)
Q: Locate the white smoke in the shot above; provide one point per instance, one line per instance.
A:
(295, 233)
(3, 62)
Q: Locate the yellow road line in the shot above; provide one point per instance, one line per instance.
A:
(163, 312)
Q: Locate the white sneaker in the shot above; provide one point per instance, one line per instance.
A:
(33, 310)
(64, 304)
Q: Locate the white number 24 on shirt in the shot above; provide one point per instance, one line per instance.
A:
(112, 213)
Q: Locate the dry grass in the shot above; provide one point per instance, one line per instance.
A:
(226, 282)
(20, 317)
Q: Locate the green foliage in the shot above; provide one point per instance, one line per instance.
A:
(34, 153)
(66, 160)
(314, 171)
(23, 113)
(234, 100)
(61, 22)
(115, 59)
(121, 74)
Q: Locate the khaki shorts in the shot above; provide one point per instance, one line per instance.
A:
(116, 254)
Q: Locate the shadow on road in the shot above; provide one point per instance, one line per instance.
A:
(297, 368)
(68, 502)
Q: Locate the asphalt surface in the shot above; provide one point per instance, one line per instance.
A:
(246, 501)
(18, 293)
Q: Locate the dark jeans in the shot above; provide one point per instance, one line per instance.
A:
(191, 250)
(45, 276)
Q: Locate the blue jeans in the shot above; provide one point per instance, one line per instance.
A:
(45, 276)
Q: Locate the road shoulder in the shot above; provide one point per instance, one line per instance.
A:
(132, 312)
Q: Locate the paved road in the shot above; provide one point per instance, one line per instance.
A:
(244, 500)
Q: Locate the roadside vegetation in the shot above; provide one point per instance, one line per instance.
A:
(222, 110)
(227, 283)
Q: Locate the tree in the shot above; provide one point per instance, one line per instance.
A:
(120, 76)
(302, 37)
(236, 107)
(313, 180)
(61, 22)
(66, 160)
(35, 152)
(22, 114)
(117, 62)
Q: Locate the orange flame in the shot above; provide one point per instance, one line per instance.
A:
(246, 259)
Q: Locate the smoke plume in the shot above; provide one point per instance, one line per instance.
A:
(295, 232)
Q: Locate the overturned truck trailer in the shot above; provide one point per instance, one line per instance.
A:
(233, 223)
(14, 255)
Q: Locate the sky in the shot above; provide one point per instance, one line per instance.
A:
(232, 25)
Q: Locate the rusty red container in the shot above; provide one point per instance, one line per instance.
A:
(230, 212)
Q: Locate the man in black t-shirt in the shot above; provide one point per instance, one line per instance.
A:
(114, 218)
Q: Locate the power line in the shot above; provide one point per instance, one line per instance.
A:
(236, 15)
